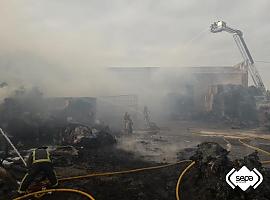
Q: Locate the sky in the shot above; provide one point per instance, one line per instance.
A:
(63, 46)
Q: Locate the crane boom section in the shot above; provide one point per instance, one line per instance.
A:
(241, 44)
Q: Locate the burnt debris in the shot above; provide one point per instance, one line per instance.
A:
(207, 179)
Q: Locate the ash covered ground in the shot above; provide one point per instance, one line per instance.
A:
(203, 181)
(80, 145)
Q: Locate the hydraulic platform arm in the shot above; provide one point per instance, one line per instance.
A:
(240, 42)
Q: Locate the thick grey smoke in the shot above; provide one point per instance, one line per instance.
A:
(3, 84)
(64, 46)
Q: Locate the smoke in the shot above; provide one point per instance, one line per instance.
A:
(3, 84)
(64, 47)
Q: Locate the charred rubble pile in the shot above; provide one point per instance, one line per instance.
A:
(66, 125)
(206, 180)
(84, 136)
(231, 104)
(23, 115)
(36, 120)
(235, 105)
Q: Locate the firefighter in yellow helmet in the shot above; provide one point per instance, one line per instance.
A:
(38, 162)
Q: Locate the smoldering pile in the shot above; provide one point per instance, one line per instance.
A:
(207, 180)
(236, 105)
(233, 105)
(32, 119)
(83, 136)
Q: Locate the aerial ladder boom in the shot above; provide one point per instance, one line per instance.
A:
(220, 26)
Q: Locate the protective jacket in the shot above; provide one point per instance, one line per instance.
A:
(38, 156)
(39, 162)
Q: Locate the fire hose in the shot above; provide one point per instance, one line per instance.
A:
(191, 164)
(156, 167)
(12, 145)
(121, 172)
(180, 179)
(243, 143)
(255, 148)
(131, 171)
(94, 175)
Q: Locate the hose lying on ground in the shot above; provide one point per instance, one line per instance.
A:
(255, 148)
(121, 172)
(180, 179)
(93, 175)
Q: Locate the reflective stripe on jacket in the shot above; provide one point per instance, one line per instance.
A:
(41, 155)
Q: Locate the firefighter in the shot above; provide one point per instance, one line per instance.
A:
(146, 114)
(128, 123)
(130, 126)
(126, 120)
(38, 162)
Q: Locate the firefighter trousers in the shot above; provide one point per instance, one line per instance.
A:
(44, 168)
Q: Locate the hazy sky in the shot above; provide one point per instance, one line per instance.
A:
(62, 45)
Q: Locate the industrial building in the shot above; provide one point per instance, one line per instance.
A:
(198, 83)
